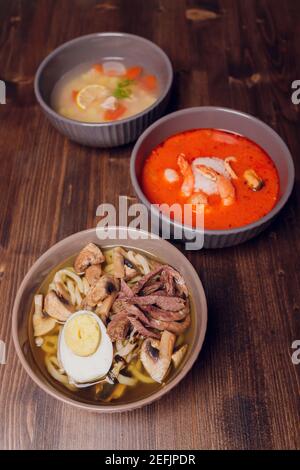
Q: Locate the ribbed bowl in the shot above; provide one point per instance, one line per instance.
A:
(217, 118)
(94, 48)
(114, 236)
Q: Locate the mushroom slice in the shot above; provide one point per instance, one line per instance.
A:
(62, 292)
(42, 324)
(156, 355)
(119, 364)
(103, 309)
(56, 308)
(104, 287)
(178, 355)
(118, 261)
(93, 274)
(130, 273)
(90, 254)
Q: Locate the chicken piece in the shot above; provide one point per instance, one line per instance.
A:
(105, 286)
(93, 274)
(89, 255)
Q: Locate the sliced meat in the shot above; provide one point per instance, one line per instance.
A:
(139, 315)
(118, 327)
(125, 289)
(139, 327)
(166, 303)
(165, 315)
(125, 308)
(179, 281)
(172, 326)
(90, 254)
(143, 281)
(160, 292)
(167, 282)
(151, 288)
(119, 306)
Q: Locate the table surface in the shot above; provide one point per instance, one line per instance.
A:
(243, 392)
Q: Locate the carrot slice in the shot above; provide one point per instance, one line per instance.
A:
(133, 72)
(74, 95)
(149, 82)
(98, 68)
(113, 114)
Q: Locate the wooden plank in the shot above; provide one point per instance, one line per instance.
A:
(243, 392)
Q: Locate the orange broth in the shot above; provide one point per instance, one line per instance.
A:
(249, 205)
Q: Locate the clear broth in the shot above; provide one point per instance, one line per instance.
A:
(88, 395)
(64, 95)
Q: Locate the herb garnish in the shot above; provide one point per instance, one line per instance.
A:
(122, 90)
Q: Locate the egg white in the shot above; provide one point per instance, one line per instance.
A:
(89, 368)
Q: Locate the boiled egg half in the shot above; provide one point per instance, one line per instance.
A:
(85, 350)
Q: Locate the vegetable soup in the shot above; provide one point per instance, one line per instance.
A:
(106, 91)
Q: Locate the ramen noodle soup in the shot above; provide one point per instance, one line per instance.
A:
(227, 176)
(111, 326)
(103, 92)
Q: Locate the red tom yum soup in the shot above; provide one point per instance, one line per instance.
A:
(229, 175)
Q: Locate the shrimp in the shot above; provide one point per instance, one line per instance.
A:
(207, 172)
(228, 167)
(188, 175)
(224, 185)
(226, 190)
(198, 197)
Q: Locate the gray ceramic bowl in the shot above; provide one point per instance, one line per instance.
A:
(92, 49)
(225, 119)
(72, 245)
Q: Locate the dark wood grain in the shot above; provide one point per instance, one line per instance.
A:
(243, 392)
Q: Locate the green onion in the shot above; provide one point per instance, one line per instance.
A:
(122, 90)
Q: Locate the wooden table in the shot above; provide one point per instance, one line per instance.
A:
(243, 392)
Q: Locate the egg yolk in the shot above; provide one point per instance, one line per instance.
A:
(82, 335)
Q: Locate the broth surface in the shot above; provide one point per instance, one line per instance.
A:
(89, 394)
(90, 93)
(249, 206)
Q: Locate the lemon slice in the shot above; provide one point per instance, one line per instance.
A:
(91, 93)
